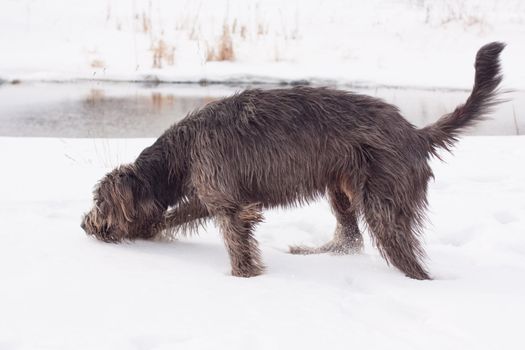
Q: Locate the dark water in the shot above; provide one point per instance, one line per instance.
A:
(124, 110)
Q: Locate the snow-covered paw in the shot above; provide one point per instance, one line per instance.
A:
(295, 249)
(353, 246)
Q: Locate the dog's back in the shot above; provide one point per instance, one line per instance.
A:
(283, 146)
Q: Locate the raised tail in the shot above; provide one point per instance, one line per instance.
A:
(444, 132)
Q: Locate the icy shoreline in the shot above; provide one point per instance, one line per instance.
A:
(237, 82)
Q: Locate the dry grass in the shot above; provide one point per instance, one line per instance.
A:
(146, 23)
(163, 54)
(244, 32)
(261, 29)
(96, 63)
(454, 11)
(224, 50)
(161, 32)
(234, 26)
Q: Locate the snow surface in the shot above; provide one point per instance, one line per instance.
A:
(402, 43)
(63, 290)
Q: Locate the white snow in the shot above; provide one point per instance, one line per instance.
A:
(63, 290)
(402, 43)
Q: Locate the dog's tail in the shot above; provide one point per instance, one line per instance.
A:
(444, 132)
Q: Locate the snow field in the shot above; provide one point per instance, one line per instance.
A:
(63, 290)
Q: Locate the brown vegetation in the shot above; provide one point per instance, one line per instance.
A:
(224, 50)
(163, 53)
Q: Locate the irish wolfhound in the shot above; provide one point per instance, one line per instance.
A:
(285, 147)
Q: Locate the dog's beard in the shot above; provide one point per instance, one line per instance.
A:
(94, 223)
(124, 231)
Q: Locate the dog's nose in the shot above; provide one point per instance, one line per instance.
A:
(83, 225)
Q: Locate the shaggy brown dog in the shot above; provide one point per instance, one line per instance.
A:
(261, 149)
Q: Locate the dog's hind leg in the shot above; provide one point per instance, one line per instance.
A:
(237, 230)
(394, 229)
(347, 237)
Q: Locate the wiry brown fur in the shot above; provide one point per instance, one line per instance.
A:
(260, 149)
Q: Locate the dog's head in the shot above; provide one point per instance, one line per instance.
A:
(124, 208)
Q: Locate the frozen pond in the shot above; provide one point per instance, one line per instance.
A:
(126, 110)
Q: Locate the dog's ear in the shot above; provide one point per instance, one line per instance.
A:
(125, 192)
(134, 196)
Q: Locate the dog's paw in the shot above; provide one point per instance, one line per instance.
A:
(300, 250)
(248, 271)
(333, 247)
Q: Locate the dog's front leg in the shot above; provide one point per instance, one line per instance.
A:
(186, 217)
(237, 230)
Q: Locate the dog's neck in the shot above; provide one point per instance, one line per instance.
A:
(162, 166)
